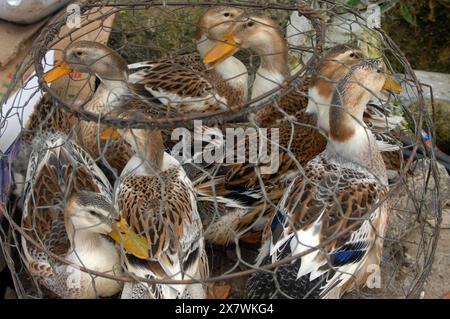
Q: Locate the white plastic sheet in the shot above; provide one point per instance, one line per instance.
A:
(18, 108)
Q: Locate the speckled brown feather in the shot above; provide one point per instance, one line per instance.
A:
(46, 194)
(185, 89)
(350, 198)
(289, 104)
(328, 199)
(158, 208)
(46, 117)
(303, 140)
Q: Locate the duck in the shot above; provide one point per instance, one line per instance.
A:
(229, 76)
(69, 211)
(342, 188)
(157, 201)
(115, 90)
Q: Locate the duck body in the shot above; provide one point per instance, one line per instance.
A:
(313, 216)
(184, 82)
(158, 201)
(58, 169)
(175, 86)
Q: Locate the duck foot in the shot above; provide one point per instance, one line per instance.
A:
(218, 290)
(109, 133)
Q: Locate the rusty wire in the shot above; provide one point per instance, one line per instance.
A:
(48, 37)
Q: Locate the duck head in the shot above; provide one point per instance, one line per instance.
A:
(263, 36)
(332, 67)
(93, 58)
(90, 213)
(259, 33)
(335, 64)
(213, 24)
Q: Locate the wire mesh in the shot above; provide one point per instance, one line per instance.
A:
(147, 31)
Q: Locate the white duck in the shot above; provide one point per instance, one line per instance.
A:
(68, 210)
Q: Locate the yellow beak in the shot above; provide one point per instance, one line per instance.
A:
(391, 85)
(132, 242)
(60, 70)
(221, 51)
(108, 133)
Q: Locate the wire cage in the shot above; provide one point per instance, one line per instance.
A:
(152, 31)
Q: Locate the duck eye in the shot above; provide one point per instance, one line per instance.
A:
(378, 71)
(79, 53)
(250, 24)
(92, 213)
(226, 14)
(352, 55)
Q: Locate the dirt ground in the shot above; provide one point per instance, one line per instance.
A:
(438, 283)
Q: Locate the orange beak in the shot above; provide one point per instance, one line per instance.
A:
(132, 242)
(391, 85)
(223, 49)
(60, 70)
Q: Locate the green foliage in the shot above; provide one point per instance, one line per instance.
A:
(353, 3)
(153, 33)
(145, 34)
(426, 44)
(407, 14)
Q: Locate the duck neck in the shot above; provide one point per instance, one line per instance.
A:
(149, 151)
(349, 137)
(320, 105)
(274, 69)
(204, 44)
(109, 95)
(82, 239)
(231, 69)
(234, 73)
(322, 86)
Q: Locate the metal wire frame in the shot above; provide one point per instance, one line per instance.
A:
(47, 40)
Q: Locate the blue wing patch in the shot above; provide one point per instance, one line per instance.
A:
(348, 254)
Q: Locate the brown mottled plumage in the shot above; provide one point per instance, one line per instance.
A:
(342, 187)
(175, 86)
(181, 83)
(66, 208)
(157, 200)
(47, 118)
(299, 138)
